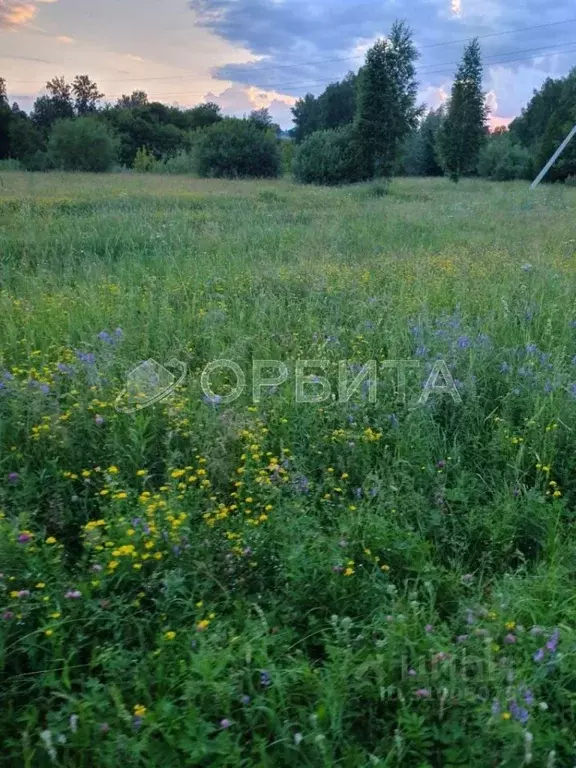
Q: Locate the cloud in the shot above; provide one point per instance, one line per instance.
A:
(15, 13)
(303, 45)
(132, 57)
(238, 101)
(64, 38)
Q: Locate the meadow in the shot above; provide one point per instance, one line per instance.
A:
(279, 583)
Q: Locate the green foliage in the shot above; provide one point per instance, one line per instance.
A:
(235, 148)
(84, 144)
(463, 130)
(144, 162)
(544, 124)
(86, 95)
(183, 162)
(330, 158)
(420, 151)
(288, 150)
(501, 159)
(387, 89)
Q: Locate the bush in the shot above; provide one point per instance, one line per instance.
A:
(236, 148)
(287, 148)
(182, 162)
(83, 144)
(144, 162)
(330, 157)
(9, 164)
(503, 160)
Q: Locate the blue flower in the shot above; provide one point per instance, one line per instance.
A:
(463, 342)
(505, 368)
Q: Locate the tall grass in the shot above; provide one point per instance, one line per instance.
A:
(283, 583)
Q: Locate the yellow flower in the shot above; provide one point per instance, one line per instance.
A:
(349, 571)
(158, 556)
(169, 635)
(385, 568)
(113, 470)
(177, 473)
(199, 604)
(51, 540)
(113, 564)
(49, 632)
(505, 715)
(40, 585)
(510, 625)
(141, 473)
(140, 710)
(202, 625)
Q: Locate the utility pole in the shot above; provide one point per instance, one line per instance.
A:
(553, 159)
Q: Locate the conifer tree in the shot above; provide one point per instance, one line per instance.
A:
(463, 130)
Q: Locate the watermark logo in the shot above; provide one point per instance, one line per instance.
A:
(149, 383)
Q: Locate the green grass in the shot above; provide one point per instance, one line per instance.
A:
(283, 583)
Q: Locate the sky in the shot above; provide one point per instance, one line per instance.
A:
(247, 54)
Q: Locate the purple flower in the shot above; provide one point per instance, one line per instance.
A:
(225, 723)
(88, 358)
(24, 538)
(429, 628)
(119, 333)
(423, 693)
(245, 699)
(412, 672)
(7, 615)
(528, 697)
(73, 594)
(539, 655)
(441, 464)
(23, 593)
(99, 420)
(510, 639)
(105, 337)
(463, 342)
(536, 631)
(518, 713)
(552, 643)
(248, 552)
(495, 707)
(531, 348)
(137, 722)
(337, 568)
(13, 477)
(265, 678)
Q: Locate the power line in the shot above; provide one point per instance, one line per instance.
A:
(325, 61)
(295, 85)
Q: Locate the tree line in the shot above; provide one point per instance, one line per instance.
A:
(368, 125)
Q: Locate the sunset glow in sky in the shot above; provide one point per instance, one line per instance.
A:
(244, 54)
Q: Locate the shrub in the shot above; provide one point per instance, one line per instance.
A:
(83, 144)
(287, 149)
(9, 164)
(182, 162)
(144, 162)
(330, 157)
(503, 160)
(236, 148)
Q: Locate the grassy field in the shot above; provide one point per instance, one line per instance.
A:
(283, 583)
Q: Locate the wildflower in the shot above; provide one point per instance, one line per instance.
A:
(265, 678)
(225, 723)
(7, 615)
(140, 710)
(40, 585)
(519, 713)
(55, 615)
(141, 473)
(73, 594)
(526, 267)
(539, 655)
(505, 715)
(73, 723)
(25, 537)
(51, 540)
(98, 420)
(423, 693)
(510, 639)
(495, 707)
(337, 568)
(298, 738)
(245, 699)
(510, 625)
(13, 477)
(202, 625)
(552, 643)
(463, 342)
(20, 594)
(429, 628)
(169, 635)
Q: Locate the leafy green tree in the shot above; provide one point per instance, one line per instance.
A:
(203, 115)
(24, 137)
(136, 99)
(86, 95)
(501, 159)
(235, 148)
(337, 104)
(387, 89)
(83, 144)
(306, 117)
(330, 158)
(53, 106)
(463, 131)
